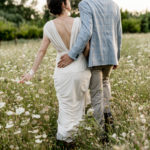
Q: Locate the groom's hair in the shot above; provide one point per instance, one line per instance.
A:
(55, 6)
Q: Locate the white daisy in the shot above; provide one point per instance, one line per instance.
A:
(1, 92)
(2, 104)
(44, 136)
(38, 141)
(17, 132)
(36, 116)
(88, 128)
(25, 122)
(2, 78)
(34, 131)
(38, 136)
(124, 134)
(19, 98)
(28, 82)
(27, 113)
(0, 126)
(114, 136)
(20, 110)
(10, 124)
(10, 113)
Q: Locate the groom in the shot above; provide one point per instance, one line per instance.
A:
(101, 24)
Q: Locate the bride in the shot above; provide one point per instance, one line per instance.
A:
(72, 82)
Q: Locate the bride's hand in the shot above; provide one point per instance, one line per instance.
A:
(26, 77)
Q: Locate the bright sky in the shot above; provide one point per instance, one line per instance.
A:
(131, 5)
(134, 5)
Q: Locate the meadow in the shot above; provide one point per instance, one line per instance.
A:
(28, 112)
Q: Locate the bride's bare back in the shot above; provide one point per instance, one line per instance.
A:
(64, 28)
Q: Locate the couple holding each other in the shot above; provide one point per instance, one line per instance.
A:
(97, 35)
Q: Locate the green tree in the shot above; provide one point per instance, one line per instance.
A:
(144, 23)
(149, 21)
(131, 25)
(125, 14)
(17, 13)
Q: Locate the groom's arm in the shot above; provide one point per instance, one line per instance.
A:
(85, 31)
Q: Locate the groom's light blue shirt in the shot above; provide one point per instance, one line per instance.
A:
(101, 24)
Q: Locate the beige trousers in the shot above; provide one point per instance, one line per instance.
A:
(100, 91)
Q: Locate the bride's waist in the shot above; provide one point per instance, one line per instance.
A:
(79, 65)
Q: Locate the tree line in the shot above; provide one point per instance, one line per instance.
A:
(18, 21)
(135, 22)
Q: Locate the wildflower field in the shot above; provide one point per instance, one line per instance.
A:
(28, 112)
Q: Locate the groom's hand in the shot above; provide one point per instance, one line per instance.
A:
(65, 60)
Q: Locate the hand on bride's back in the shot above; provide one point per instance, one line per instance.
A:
(26, 77)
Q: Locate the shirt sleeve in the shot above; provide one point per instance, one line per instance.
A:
(85, 31)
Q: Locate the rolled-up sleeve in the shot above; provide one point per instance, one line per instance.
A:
(85, 31)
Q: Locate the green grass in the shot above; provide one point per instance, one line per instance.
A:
(130, 103)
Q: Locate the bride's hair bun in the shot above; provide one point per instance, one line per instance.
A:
(55, 6)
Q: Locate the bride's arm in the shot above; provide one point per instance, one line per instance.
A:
(41, 53)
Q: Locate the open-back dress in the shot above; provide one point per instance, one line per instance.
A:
(71, 83)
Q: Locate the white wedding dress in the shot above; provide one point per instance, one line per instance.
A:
(71, 83)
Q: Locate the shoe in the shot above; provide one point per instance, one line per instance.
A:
(70, 146)
(65, 146)
(104, 137)
(109, 122)
(61, 144)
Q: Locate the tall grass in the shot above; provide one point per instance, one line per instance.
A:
(28, 112)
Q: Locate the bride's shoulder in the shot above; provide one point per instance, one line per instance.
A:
(48, 24)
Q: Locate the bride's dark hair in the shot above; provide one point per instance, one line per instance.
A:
(55, 6)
